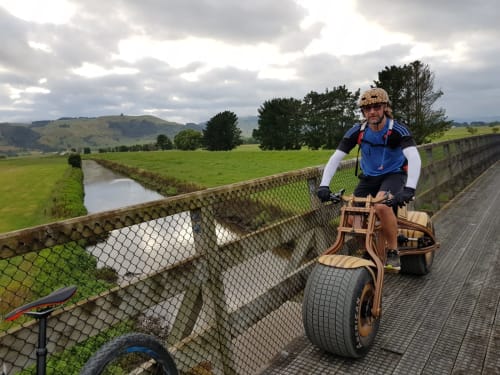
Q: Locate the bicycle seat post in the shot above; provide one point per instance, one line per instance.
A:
(40, 310)
(41, 350)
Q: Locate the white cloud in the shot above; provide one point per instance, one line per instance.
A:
(47, 11)
(89, 70)
(210, 54)
(17, 94)
(40, 46)
(346, 32)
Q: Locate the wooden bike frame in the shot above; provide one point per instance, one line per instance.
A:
(358, 218)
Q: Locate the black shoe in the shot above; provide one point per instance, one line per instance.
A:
(392, 262)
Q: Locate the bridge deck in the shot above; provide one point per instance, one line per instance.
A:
(447, 322)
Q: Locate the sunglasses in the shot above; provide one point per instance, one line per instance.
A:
(376, 107)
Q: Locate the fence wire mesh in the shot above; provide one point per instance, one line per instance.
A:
(216, 275)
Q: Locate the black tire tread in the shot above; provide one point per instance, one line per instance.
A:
(113, 349)
(417, 264)
(329, 302)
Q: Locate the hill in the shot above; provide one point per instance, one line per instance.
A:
(95, 132)
(99, 132)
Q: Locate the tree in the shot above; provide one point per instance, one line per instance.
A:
(221, 132)
(188, 139)
(163, 142)
(471, 130)
(314, 121)
(279, 125)
(327, 116)
(411, 90)
(75, 160)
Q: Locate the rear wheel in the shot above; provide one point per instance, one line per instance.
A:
(337, 310)
(420, 264)
(133, 353)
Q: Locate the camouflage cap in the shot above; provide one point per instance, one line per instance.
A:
(373, 96)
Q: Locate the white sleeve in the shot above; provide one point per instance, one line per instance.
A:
(331, 167)
(414, 165)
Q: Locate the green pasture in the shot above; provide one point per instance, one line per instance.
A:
(209, 169)
(27, 184)
(216, 168)
(462, 132)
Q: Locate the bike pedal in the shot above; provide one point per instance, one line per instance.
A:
(392, 269)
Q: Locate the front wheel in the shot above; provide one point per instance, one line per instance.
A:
(337, 310)
(131, 353)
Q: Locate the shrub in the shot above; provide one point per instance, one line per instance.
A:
(75, 160)
(107, 274)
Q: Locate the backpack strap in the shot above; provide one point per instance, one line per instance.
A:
(386, 137)
(361, 133)
(360, 138)
(389, 130)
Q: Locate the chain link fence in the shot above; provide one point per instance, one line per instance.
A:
(216, 275)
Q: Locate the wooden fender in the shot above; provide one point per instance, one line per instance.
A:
(345, 261)
(418, 217)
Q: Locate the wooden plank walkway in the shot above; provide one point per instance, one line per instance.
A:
(447, 322)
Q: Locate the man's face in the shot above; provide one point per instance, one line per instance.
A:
(374, 113)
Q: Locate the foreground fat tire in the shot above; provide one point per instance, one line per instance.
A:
(337, 310)
(128, 353)
(420, 264)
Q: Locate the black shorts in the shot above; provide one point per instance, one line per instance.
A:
(371, 185)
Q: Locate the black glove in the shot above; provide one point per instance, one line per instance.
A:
(324, 193)
(404, 196)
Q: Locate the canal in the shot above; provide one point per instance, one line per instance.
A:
(106, 190)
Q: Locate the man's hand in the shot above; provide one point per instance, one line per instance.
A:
(404, 196)
(324, 193)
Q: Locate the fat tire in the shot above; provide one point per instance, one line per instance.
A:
(123, 346)
(418, 264)
(331, 310)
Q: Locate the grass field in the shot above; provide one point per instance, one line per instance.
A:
(27, 182)
(462, 132)
(26, 186)
(209, 169)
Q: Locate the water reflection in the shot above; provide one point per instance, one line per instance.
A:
(106, 190)
(150, 246)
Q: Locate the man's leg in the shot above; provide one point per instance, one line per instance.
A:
(387, 215)
(392, 183)
(389, 222)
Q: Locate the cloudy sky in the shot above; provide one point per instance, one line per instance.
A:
(187, 60)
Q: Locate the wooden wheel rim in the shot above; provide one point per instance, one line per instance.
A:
(365, 317)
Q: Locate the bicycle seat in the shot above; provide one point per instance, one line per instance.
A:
(55, 298)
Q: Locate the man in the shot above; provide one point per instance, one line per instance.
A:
(390, 162)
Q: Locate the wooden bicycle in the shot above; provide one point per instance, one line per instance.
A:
(343, 296)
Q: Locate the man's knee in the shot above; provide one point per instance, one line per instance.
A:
(383, 211)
